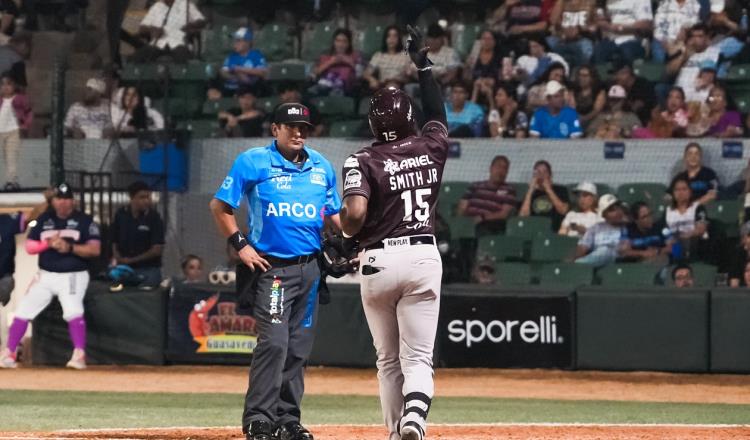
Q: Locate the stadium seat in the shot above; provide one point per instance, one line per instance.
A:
(726, 213)
(193, 71)
(213, 107)
(179, 108)
(450, 194)
(628, 275)
(287, 72)
(651, 193)
(604, 71)
(704, 275)
(363, 109)
(463, 36)
(275, 41)
(553, 248)
(334, 106)
(267, 104)
(202, 128)
(512, 274)
(521, 189)
(501, 248)
(317, 40)
(368, 40)
(742, 99)
(350, 128)
(738, 73)
(142, 72)
(217, 42)
(566, 275)
(653, 72)
(528, 227)
(461, 227)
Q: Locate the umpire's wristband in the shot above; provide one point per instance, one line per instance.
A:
(238, 241)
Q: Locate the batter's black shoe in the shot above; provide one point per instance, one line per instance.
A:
(260, 430)
(293, 431)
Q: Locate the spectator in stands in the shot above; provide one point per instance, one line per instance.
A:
(12, 56)
(8, 15)
(544, 198)
(672, 20)
(670, 122)
(89, 119)
(700, 88)
(573, 26)
(519, 21)
(556, 120)
(170, 26)
(133, 114)
(600, 245)
(682, 276)
(577, 222)
(138, 239)
(589, 94)
(289, 92)
(644, 240)
(724, 123)
(640, 92)
(244, 67)
(244, 120)
(539, 63)
(445, 59)
(703, 181)
(739, 264)
(505, 120)
(623, 24)
(390, 62)
(616, 121)
(536, 96)
(192, 269)
(698, 50)
(489, 203)
(465, 118)
(483, 66)
(686, 219)
(58, 9)
(337, 71)
(15, 121)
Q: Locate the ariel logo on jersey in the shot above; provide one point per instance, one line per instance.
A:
(277, 301)
(392, 167)
(296, 209)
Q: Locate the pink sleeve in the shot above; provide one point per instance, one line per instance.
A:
(34, 247)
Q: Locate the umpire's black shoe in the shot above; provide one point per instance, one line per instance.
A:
(260, 430)
(293, 431)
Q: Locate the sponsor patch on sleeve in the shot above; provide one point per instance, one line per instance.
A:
(351, 162)
(353, 179)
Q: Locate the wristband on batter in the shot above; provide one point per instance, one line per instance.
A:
(238, 241)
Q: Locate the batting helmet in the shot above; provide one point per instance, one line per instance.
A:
(391, 117)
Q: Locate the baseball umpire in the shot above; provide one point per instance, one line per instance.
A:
(65, 240)
(290, 188)
(390, 191)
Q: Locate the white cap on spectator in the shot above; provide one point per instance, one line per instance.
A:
(553, 87)
(587, 187)
(617, 91)
(96, 84)
(607, 201)
(717, 6)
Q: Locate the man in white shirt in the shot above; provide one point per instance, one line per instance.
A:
(600, 244)
(169, 27)
(89, 119)
(622, 24)
(672, 20)
(698, 51)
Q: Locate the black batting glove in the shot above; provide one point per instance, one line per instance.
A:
(416, 49)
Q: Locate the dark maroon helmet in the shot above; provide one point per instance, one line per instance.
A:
(391, 116)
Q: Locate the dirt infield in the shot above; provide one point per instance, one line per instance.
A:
(445, 432)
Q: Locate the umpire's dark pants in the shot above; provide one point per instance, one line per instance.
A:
(286, 308)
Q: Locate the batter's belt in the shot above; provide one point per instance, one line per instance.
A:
(413, 241)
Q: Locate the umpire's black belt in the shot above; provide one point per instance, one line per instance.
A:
(281, 262)
(413, 240)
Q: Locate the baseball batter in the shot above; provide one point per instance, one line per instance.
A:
(65, 240)
(390, 192)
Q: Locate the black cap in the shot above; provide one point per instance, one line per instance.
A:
(291, 113)
(63, 191)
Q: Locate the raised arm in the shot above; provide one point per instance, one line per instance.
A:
(432, 96)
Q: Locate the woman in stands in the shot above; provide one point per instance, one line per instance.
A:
(687, 220)
(132, 115)
(668, 122)
(390, 62)
(739, 268)
(483, 63)
(589, 95)
(505, 120)
(724, 123)
(337, 71)
(703, 181)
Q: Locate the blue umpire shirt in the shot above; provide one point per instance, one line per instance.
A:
(286, 203)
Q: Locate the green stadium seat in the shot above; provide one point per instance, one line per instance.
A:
(603, 71)
(142, 72)
(553, 248)
(179, 108)
(276, 42)
(217, 42)
(463, 36)
(317, 41)
(742, 99)
(501, 248)
(528, 227)
(334, 106)
(521, 189)
(287, 72)
(202, 128)
(193, 71)
(268, 104)
(192, 90)
(512, 274)
(461, 227)
(727, 215)
(369, 39)
(738, 73)
(363, 109)
(450, 194)
(214, 107)
(628, 275)
(566, 275)
(704, 275)
(346, 128)
(653, 72)
(651, 193)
